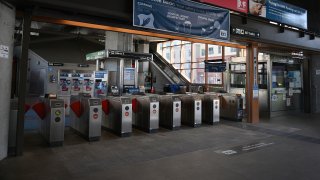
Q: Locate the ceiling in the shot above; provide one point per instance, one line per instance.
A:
(46, 32)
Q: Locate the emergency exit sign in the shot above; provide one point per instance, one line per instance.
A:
(96, 55)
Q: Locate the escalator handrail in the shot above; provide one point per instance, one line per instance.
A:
(176, 72)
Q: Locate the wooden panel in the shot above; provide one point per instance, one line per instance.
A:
(252, 102)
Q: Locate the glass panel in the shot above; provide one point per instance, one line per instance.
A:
(160, 48)
(175, 42)
(186, 74)
(167, 54)
(177, 66)
(186, 66)
(186, 53)
(235, 55)
(167, 44)
(198, 76)
(203, 52)
(213, 52)
(237, 80)
(198, 52)
(278, 76)
(233, 50)
(176, 54)
(198, 65)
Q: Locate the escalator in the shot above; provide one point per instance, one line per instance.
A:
(171, 74)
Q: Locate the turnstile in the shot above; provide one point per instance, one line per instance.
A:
(170, 112)
(134, 103)
(191, 110)
(66, 99)
(52, 126)
(85, 117)
(211, 108)
(117, 118)
(231, 107)
(147, 113)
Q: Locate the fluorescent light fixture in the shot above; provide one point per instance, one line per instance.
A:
(274, 23)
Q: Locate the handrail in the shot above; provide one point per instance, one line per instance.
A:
(159, 59)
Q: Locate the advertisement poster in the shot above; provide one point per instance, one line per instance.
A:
(278, 11)
(182, 16)
(235, 5)
(129, 76)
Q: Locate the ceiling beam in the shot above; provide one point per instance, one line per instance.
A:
(134, 31)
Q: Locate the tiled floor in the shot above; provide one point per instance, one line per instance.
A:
(283, 147)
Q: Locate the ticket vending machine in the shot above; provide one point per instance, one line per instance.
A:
(76, 83)
(88, 83)
(100, 83)
(65, 88)
(64, 83)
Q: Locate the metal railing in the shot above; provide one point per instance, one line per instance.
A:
(169, 70)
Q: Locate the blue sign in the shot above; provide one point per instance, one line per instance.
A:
(215, 67)
(182, 16)
(278, 11)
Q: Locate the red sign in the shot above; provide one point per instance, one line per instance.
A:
(95, 116)
(235, 5)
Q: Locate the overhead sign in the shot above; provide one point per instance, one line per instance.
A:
(96, 55)
(130, 55)
(245, 32)
(182, 16)
(55, 64)
(83, 65)
(215, 67)
(235, 5)
(279, 11)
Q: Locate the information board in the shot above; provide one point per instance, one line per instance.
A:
(182, 16)
(279, 11)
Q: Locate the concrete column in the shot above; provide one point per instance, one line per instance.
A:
(7, 23)
(252, 91)
(111, 40)
(142, 67)
(143, 47)
(119, 41)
